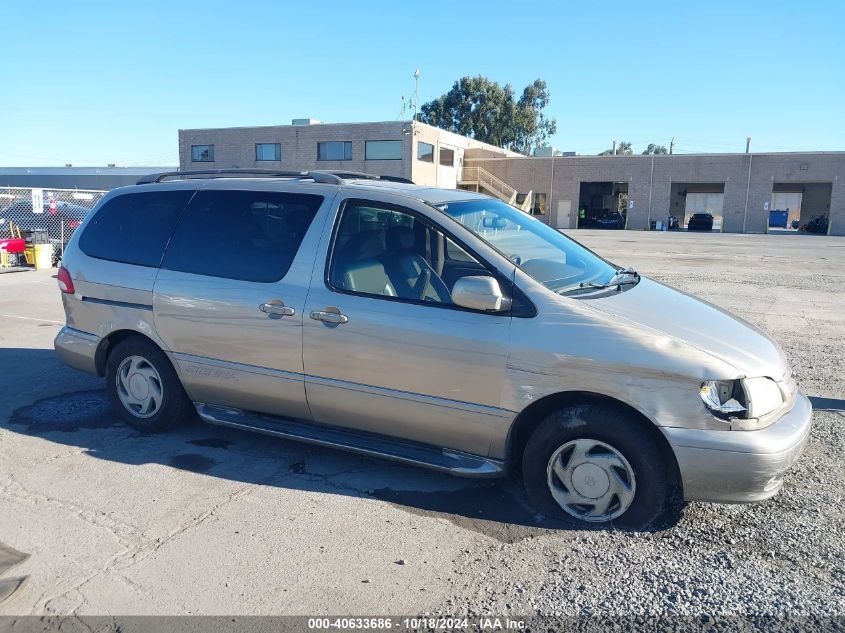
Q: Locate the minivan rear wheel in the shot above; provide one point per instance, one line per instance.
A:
(596, 464)
(144, 388)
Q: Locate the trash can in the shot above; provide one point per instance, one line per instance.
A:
(43, 256)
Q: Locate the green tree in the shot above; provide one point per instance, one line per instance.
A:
(622, 149)
(489, 112)
(655, 149)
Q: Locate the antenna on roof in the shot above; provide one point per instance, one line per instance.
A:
(416, 93)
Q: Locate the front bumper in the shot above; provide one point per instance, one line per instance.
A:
(77, 349)
(740, 466)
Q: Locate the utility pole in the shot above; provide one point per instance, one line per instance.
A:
(672, 145)
(748, 145)
(416, 93)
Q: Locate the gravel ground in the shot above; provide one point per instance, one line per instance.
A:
(209, 521)
(782, 557)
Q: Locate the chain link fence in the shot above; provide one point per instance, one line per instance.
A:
(56, 211)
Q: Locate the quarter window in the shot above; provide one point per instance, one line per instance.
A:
(447, 157)
(268, 151)
(134, 228)
(202, 153)
(334, 150)
(383, 150)
(425, 152)
(245, 235)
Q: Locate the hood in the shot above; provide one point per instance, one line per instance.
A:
(698, 324)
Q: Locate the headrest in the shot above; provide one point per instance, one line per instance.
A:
(400, 238)
(363, 246)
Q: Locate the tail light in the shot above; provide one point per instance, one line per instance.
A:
(65, 282)
(73, 223)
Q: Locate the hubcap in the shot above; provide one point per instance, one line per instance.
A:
(139, 386)
(591, 480)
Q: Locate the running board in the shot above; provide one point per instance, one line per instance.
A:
(370, 444)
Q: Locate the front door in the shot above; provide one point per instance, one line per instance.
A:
(229, 298)
(385, 349)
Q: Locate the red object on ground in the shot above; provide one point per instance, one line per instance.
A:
(13, 245)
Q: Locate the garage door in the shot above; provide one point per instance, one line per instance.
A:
(705, 203)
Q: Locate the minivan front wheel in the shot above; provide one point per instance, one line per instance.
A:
(596, 464)
(143, 386)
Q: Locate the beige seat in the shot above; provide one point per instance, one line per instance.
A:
(409, 272)
(360, 270)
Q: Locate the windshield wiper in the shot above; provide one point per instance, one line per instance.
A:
(622, 277)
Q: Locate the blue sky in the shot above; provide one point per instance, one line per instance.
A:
(98, 82)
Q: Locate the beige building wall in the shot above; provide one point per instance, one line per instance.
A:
(435, 174)
(235, 147)
(747, 179)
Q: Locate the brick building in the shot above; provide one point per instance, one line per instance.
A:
(744, 192)
(740, 190)
(420, 152)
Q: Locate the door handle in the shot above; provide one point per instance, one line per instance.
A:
(276, 309)
(329, 317)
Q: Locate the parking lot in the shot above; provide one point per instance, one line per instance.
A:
(205, 520)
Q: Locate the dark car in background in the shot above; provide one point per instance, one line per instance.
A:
(611, 220)
(60, 218)
(700, 222)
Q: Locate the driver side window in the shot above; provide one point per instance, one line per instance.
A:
(389, 253)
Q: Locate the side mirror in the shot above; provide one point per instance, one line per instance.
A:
(478, 293)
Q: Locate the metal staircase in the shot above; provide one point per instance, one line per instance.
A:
(478, 179)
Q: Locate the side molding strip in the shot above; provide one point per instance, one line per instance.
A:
(118, 304)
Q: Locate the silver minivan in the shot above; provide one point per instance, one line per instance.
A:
(441, 328)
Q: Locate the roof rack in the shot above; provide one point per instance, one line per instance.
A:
(359, 175)
(325, 177)
(316, 176)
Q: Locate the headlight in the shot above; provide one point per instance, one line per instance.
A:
(722, 397)
(763, 396)
(746, 398)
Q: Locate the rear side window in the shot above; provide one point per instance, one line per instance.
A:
(245, 235)
(134, 228)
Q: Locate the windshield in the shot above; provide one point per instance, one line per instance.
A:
(556, 261)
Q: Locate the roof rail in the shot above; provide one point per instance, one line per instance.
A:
(325, 177)
(358, 175)
(317, 176)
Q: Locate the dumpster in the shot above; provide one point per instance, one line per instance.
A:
(778, 218)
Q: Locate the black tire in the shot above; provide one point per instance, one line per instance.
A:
(621, 431)
(175, 405)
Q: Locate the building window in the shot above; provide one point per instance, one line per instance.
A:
(268, 151)
(447, 157)
(334, 150)
(538, 206)
(202, 153)
(383, 150)
(425, 152)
